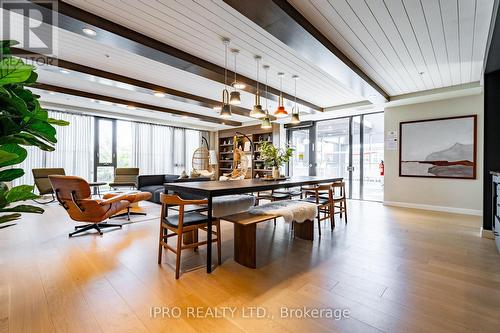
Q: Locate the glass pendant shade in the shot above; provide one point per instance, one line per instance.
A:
(257, 111)
(266, 123)
(234, 98)
(295, 119)
(280, 112)
(225, 112)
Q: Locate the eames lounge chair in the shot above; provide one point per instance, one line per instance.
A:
(73, 193)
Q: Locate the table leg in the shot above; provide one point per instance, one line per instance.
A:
(304, 230)
(190, 237)
(209, 236)
(245, 245)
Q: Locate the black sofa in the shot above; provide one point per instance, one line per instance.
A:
(154, 184)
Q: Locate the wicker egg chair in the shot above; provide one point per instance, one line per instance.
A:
(201, 162)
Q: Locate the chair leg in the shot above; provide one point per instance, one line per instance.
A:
(274, 221)
(219, 243)
(81, 229)
(319, 224)
(332, 216)
(97, 226)
(345, 211)
(178, 256)
(160, 246)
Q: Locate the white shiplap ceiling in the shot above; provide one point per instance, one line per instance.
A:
(197, 27)
(395, 40)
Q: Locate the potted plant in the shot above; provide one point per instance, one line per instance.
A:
(275, 157)
(23, 122)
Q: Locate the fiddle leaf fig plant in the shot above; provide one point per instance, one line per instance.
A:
(274, 156)
(23, 122)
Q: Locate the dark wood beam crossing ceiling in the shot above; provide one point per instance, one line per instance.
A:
(173, 94)
(284, 22)
(73, 19)
(74, 92)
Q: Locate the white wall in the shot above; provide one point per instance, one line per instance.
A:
(454, 195)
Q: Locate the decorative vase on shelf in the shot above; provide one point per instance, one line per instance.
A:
(276, 172)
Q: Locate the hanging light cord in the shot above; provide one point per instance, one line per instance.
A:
(225, 65)
(234, 84)
(295, 97)
(267, 111)
(258, 61)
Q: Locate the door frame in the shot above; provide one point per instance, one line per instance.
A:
(312, 125)
(312, 145)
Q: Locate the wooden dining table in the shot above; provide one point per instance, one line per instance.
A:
(211, 189)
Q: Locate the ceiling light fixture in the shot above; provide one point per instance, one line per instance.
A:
(225, 111)
(266, 122)
(280, 111)
(64, 71)
(131, 107)
(295, 110)
(257, 111)
(234, 98)
(159, 94)
(90, 32)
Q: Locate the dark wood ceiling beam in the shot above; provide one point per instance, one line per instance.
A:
(73, 19)
(170, 93)
(283, 21)
(74, 92)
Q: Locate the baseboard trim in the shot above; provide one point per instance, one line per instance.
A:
(487, 234)
(455, 210)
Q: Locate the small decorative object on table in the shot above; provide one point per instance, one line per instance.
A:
(275, 157)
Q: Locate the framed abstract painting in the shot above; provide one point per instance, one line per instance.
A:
(438, 148)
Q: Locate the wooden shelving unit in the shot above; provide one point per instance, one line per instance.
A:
(226, 147)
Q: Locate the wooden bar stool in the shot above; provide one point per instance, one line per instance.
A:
(185, 226)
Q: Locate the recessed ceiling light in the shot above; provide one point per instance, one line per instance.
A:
(185, 117)
(159, 94)
(64, 71)
(239, 85)
(52, 93)
(131, 107)
(90, 32)
(217, 108)
(105, 103)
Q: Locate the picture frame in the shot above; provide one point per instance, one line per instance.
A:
(439, 148)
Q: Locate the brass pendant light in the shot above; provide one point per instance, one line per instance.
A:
(225, 111)
(234, 98)
(257, 111)
(266, 122)
(280, 111)
(295, 110)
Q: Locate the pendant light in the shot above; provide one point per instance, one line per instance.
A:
(257, 111)
(280, 111)
(234, 98)
(225, 111)
(295, 110)
(266, 122)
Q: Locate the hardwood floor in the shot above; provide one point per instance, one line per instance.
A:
(393, 269)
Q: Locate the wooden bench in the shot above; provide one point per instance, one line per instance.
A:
(245, 234)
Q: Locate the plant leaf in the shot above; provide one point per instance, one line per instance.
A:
(24, 209)
(19, 193)
(9, 217)
(28, 139)
(6, 158)
(10, 174)
(58, 122)
(14, 70)
(42, 129)
(14, 149)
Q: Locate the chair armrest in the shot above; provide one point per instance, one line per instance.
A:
(111, 200)
(195, 202)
